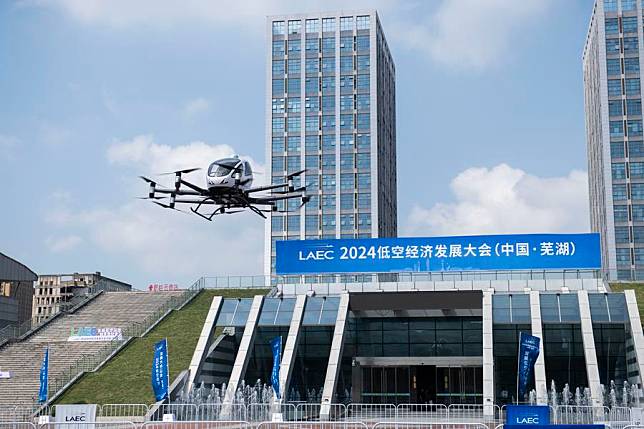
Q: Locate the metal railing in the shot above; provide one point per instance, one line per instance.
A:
(312, 425)
(374, 412)
(213, 412)
(224, 424)
(428, 425)
(123, 410)
(311, 412)
(422, 412)
(89, 363)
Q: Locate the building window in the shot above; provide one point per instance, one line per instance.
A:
(364, 220)
(363, 101)
(278, 86)
(278, 68)
(293, 163)
(628, 5)
(618, 170)
(363, 82)
(636, 170)
(346, 64)
(629, 24)
(639, 255)
(311, 222)
(278, 105)
(328, 183)
(364, 200)
(312, 104)
(363, 161)
(346, 201)
(362, 22)
(328, 85)
(635, 149)
(610, 5)
(363, 141)
(278, 48)
(620, 213)
(614, 87)
(278, 125)
(328, 65)
(312, 123)
(346, 23)
(294, 86)
(347, 181)
(612, 46)
(364, 180)
(312, 25)
(328, 222)
(638, 234)
(311, 162)
(294, 66)
(328, 24)
(347, 222)
(293, 144)
(328, 143)
(328, 103)
(613, 67)
(311, 144)
(347, 161)
(633, 107)
(278, 144)
(278, 27)
(294, 105)
(294, 47)
(293, 223)
(631, 65)
(632, 86)
(328, 162)
(362, 63)
(312, 65)
(293, 124)
(277, 223)
(623, 256)
(637, 191)
(630, 44)
(634, 127)
(616, 128)
(346, 102)
(312, 85)
(328, 45)
(619, 192)
(363, 121)
(621, 234)
(277, 163)
(615, 108)
(346, 84)
(346, 143)
(346, 44)
(362, 43)
(328, 122)
(295, 27)
(611, 26)
(346, 122)
(638, 212)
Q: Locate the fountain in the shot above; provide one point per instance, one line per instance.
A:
(532, 397)
(587, 400)
(613, 397)
(625, 391)
(577, 397)
(635, 396)
(565, 395)
(553, 394)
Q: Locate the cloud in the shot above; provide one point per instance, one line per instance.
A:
(195, 108)
(63, 244)
(54, 135)
(8, 145)
(164, 242)
(506, 200)
(467, 34)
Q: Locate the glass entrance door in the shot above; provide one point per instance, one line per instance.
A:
(459, 385)
(385, 385)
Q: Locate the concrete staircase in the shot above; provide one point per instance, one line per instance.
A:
(109, 310)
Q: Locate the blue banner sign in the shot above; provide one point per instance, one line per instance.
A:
(44, 378)
(424, 254)
(573, 426)
(528, 353)
(527, 415)
(160, 374)
(276, 347)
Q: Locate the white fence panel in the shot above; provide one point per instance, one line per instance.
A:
(428, 425)
(421, 412)
(371, 412)
(264, 412)
(581, 414)
(312, 425)
(17, 425)
(213, 412)
(223, 424)
(181, 412)
(123, 410)
(311, 412)
(90, 425)
(472, 412)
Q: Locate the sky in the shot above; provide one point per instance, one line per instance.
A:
(490, 124)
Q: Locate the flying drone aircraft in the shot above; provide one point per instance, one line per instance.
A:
(228, 190)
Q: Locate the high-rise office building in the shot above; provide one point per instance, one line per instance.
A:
(331, 109)
(611, 66)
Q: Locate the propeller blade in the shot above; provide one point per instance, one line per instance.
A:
(148, 180)
(303, 188)
(151, 198)
(297, 173)
(186, 171)
(166, 206)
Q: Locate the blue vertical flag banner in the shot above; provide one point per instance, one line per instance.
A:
(160, 374)
(276, 347)
(44, 378)
(528, 353)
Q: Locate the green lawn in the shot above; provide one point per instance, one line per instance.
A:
(639, 293)
(126, 378)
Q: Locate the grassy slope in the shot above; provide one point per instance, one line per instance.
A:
(126, 378)
(639, 293)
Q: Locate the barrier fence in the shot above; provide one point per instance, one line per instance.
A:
(428, 425)
(616, 417)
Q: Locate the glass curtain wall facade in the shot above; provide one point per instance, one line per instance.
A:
(612, 88)
(331, 110)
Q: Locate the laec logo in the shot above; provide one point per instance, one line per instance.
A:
(527, 420)
(78, 418)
